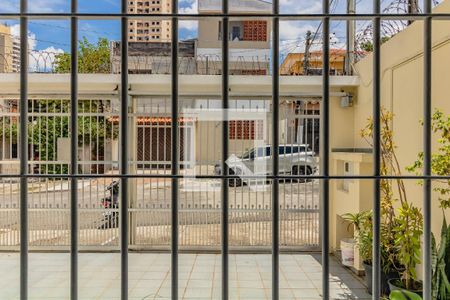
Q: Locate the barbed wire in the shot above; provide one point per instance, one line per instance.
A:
(388, 28)
(46, 62)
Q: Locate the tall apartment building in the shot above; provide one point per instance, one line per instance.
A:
(15, 67)
(149, 30)
(6, 50)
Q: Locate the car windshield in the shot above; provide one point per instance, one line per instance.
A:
(248, 154)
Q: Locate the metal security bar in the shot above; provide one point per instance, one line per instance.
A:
(376, 256)
(24, 174)
(23, 151)
(325, 151)
(124, 154)
(225, 171)
(275, 153)
(74, 153)
(175, 164)
(427, 129)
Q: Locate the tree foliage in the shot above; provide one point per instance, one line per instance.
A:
(368, 45)
(91, 58)
(50, 120)
(440, 160)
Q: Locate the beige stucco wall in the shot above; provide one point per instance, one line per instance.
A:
(402, 93)
(357, 196)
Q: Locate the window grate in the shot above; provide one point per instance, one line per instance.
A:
(275, 16)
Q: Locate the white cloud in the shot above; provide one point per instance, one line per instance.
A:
(293, 34)
(188, 7)
(9, 6)
(42, 6)
(38, 60)
(304, 7)
(32, 42)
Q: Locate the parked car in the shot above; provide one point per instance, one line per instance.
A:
(294, 159)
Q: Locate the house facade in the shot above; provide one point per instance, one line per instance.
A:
(249, 38)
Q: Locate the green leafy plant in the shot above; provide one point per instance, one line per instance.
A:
(92, 58)
(404, 295)
(440, 161)
(408, 230)
(401, 227)
(440, 165)
(362, 222)
(440, 259)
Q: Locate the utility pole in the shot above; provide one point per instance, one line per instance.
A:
(306, 54)
(413, 8)
(350, 57)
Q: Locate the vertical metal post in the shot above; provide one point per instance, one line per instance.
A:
(124, 154)
(376, 285)
(74, 152)
(175, 152)
(275, 151)
(427, 86)
(23, 151)
(225, 128)
(325, 151)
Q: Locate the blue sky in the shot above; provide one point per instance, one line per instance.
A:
(55, 35)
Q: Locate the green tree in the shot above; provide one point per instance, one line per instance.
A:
(368, 45)
(91, 58)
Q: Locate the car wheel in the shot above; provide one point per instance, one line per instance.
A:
(296, 170)
(235, 182)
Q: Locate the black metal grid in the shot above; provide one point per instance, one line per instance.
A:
(325, 17)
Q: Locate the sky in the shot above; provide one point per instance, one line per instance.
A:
(53, 36)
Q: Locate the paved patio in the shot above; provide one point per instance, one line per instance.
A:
(199, 277)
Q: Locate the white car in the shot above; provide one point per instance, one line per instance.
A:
(295, 159)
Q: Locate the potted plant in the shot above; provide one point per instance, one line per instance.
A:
(401, 222)
(363, 234)
(404, 295)
(440, 260)
(362, 224)
(408, 230)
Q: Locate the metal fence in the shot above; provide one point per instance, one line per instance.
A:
(150, 206)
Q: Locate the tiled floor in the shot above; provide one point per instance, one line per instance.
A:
(199, 277)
